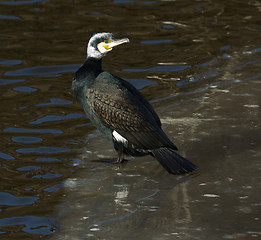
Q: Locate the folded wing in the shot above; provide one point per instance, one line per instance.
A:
(122, 108)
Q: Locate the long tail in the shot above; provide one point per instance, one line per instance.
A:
(173, 162)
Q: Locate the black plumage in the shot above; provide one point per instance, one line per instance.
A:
(120, 112)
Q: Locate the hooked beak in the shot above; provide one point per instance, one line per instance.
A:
(105, 47)
(117, 42)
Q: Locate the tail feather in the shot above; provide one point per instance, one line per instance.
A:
(173, 162)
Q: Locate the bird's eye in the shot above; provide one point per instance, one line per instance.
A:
(106, 41)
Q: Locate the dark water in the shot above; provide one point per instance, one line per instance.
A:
(198, 62)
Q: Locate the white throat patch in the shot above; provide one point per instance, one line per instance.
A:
(92, 52)
(119, 138)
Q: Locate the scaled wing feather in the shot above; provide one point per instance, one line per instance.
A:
(122, 109)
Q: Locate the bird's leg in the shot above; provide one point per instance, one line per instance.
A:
(120, 158)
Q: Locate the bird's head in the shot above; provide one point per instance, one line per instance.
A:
(101, 43)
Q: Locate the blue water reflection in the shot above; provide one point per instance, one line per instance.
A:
(21, 2)
(52, 189)
(27, 139)
(44, 71)
(51, 118)
(55, 101)
(8, 81)
(156, 41)
(6, 156)
(11, 200)
(45, 150)
(42, 159)
(28, 168)
(25, 89)
(9, 17)
(10, 62)
(31, 224)
(29, 130)
(48, 175)
(174, 68)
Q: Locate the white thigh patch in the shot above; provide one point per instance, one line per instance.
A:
(119, 138)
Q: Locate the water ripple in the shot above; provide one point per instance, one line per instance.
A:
(50, 118)
(45, 150)
(48, 175)
(28, 168)
(10, 200)
(156, 41)
(21, 2)
(52, 189)
(55, 101)
(113, 219)
(31, 224)
(25, 130)
(176, 68)
(8, 17)
(40, 159)
(143, 198)
(47, 71)
(6, 156)
(199, 77)
(25, 89)
(10, 62)
(27, 139)
(5, 81)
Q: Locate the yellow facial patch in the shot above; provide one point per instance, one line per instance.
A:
(104, 47)
(106, 44)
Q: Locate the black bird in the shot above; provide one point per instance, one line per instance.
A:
(120, 112)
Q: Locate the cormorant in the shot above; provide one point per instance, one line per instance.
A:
(120, 112)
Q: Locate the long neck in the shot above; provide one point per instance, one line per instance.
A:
(90, 69)
(86, 74)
